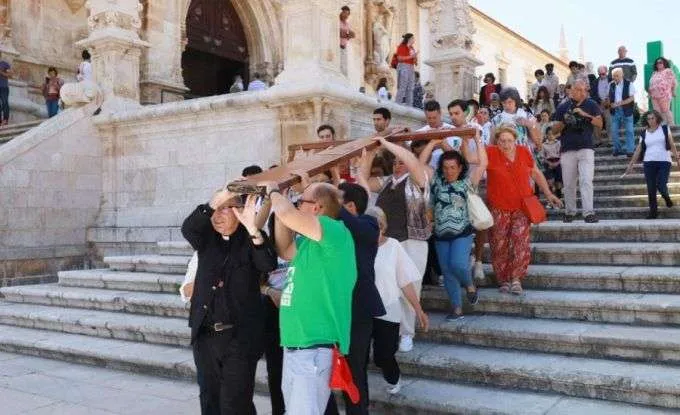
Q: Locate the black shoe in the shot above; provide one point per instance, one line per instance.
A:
(568, 218)
(615, 154)
(473, 298)
(629, 155)
(669, 202)
(652, 215)
(591, 218)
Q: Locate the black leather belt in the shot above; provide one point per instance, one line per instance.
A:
(316, 346)
(216, 328)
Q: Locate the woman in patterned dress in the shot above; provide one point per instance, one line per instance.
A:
(662, 86)
(452, 228)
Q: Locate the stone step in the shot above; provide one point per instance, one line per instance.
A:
(596, 306)
(113, 325)
(165, 264)
(638, 200)
(600, 278)
(667, 230)
(630, 382)
(8, 132)
(630, 189)
(121, 280)
(619, 213)
(610, 341)
(610, 253)
(418, 395)
(178, 248)
(614, 179)
(168, 305)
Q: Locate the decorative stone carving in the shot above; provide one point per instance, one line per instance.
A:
(80, 93)
(75, 5)
(382, 32)
(6, 43)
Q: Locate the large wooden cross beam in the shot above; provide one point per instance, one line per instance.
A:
(332, 154)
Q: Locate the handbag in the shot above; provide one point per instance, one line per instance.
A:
(394, 61)
(479, 214)
(341, 377)
(532, 207)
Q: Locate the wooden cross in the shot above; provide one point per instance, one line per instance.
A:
(332, 154)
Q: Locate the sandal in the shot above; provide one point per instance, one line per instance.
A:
(504, 288)
(516, 288)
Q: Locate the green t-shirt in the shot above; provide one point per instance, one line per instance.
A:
(316, 305)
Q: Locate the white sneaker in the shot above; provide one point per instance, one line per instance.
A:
(479, 271)
(406, 344)
(394, 389)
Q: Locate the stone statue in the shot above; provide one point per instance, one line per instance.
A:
(382, 32)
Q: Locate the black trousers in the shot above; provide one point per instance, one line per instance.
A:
(273, 353)
(656, 176)
(226, 374)
(385, 346)
(359, 348)
(432, 270)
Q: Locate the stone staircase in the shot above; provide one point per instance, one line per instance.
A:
(8, 132)
(597, 331)
(617, 197)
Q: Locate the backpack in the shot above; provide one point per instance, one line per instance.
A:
(643, 145)
(394, 61)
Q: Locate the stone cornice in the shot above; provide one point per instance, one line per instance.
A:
(274, 97)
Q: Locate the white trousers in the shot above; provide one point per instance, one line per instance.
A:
(417, 250)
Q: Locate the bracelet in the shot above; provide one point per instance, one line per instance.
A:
(256, 235)
(266, 290)
(269, 195)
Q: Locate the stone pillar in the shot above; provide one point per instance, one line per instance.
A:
(116, 48)
(451, 54)
(311, 42)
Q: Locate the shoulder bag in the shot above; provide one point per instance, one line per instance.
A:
(531, 206)
(479, 214)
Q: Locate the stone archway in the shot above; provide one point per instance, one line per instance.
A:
(260, 21)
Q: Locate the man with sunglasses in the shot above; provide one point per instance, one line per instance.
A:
(226, 310)
(316, 303)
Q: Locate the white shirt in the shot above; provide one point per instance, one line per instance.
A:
(257, 85)
(394, 270)
(437, 153)
(383, 94)
(84, 71)
(618, 91)
(656, 146)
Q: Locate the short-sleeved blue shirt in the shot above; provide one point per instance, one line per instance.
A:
(572, 139)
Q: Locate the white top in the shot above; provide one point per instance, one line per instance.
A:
(618, 91)
(394, 270)
(189, 278)
(383, 94)
(656, 146)
(84, 71)
(453, 141)
(257, 85)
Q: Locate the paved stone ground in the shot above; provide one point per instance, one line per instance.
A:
(36, 386)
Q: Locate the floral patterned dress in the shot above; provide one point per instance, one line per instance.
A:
(661, 87)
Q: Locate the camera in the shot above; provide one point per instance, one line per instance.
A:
(574, 121)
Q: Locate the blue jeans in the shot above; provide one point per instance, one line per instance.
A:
(305, 381)
(618, 120)
(454, 261)
(52, 107)
(4, 102)
(656, 176)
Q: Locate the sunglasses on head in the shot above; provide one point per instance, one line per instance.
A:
(301, 202)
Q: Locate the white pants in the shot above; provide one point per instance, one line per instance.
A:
(417, 250)
(305, 380)
(578, 165)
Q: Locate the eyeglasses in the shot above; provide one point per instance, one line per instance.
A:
(301, 202)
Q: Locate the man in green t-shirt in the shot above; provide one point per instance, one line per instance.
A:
(316, 304)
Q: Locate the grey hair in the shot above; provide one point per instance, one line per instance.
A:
(379, 215)
(511, 93)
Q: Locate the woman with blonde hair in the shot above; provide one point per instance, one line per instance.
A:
(509, 168)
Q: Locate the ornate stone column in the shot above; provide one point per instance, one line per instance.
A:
(311, 42)
(451, 54)
(6, 45)
(116, 48)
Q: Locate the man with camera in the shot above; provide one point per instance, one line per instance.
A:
(575, 120)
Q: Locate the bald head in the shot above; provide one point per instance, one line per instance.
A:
(602, 70)
(622, 51)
